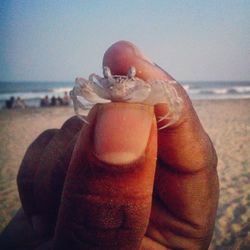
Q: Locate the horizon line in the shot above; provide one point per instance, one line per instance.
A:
(218, 80)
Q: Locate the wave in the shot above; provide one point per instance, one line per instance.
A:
(34, 87)
(21, 91)
(241, 89)
(186, 86)
(62, 90)
(31, 92)
(234, 90)
(35, 94)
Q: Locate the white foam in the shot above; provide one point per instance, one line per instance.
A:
(61, 90)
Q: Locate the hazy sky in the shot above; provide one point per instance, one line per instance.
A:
(59, 40)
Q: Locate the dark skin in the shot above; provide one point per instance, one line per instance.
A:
(168, 204)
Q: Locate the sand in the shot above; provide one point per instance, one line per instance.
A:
(226, 121)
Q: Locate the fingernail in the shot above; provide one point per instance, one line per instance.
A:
(122, 132)
(127, 49)
(138, 53)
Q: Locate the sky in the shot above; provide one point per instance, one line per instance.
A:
(59, 40)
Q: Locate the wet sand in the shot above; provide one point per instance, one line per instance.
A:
(226, 121)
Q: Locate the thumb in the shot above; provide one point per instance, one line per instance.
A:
(108, 189)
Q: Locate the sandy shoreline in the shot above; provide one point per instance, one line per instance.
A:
(226, 121)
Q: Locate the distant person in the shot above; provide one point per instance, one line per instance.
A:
(66, 98)
(9, 103)
(53, 101)
(59, 101)
(44, 101)
(19, 103)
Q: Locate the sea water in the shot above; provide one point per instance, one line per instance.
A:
(217, 89)
(32, 91)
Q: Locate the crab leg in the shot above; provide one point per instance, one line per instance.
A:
(87, 91)
(76, 105)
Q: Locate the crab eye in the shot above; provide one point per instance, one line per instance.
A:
(131, 72)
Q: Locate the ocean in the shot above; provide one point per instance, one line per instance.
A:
(32, 91)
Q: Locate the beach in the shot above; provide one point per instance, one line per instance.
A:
(226, 121)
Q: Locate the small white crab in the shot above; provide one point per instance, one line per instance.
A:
(120, 88)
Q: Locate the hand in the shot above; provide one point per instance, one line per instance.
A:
(98, 186)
